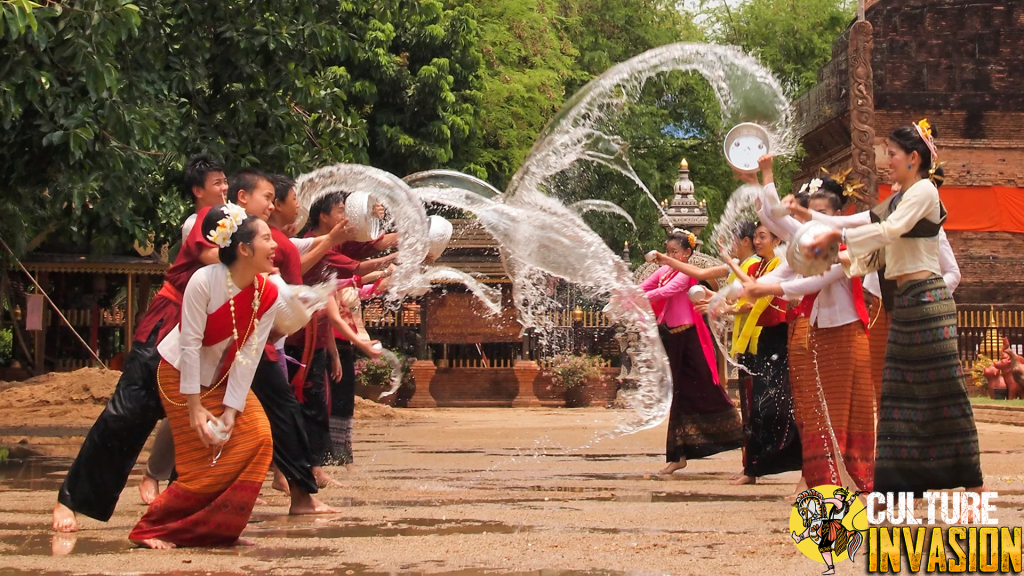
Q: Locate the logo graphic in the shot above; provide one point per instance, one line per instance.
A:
(822, 524)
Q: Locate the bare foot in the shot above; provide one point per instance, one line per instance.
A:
(280, 482)
(154, 544)
(323, 480)
(673, 466)
(831, 570)
(63, 544)
(800, 487)
(64, 519)
(149, 489)
(303, 503)
(260, 502)
(744, 480)
(244, 542)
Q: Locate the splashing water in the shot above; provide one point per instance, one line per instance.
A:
(410, 278)
(541, 237)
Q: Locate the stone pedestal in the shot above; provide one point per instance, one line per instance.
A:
(526, 373)
(423, 372)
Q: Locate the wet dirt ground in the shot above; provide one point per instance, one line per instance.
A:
(472, 491)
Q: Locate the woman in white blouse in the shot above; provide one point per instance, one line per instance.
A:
(837, 346)
(222, 440)
(927, 439)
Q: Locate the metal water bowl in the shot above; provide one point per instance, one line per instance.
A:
(808, 265)
(359, 211)
(744, 144)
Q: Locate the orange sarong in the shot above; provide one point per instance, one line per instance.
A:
(208, 505)
(836, 358)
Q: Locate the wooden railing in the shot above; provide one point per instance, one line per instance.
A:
(591, 319)
(489, 363)
(546, 363)
(982, 328)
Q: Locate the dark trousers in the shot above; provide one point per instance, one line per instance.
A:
(343, 392)
(315, 406)
(100, 471)
(292, 453)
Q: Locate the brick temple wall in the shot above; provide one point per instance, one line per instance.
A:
(959, 64)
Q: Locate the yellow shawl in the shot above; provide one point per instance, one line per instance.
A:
(749, 335)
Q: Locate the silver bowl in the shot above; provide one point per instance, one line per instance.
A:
(440, 234)
(810, 265)
(359, 211)
(744, 144)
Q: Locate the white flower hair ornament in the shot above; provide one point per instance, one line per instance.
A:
(234, 215)
(814, 186)
(803, 189)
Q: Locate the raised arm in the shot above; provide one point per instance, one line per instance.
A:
(691, 270)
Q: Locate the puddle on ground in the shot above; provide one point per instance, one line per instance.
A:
(38, 473)
(404, 527)
(61, 544)
(33, 473)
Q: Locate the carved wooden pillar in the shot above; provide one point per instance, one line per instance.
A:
(862, 110)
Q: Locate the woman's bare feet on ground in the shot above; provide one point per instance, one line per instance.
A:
(673, 466)
(260, 502)
(800, 487)
(280, 483)
(323, 480)
(154, 544)
(744, 479)
(64, 519)
(244, 542)
(303, 503)
(149, 489)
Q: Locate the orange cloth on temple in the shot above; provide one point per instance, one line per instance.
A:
(979, 209)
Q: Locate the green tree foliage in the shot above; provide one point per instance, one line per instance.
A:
(791, 37)
(103, 101)
(528, 62)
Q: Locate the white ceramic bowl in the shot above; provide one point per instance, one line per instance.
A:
(698, 293)
(440, 234)
(744, 144)
(359, 211)
(803, 264)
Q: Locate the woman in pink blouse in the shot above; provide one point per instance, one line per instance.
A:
(703, 420)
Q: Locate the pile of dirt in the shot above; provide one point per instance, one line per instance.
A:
(84, 386)
(370, 410)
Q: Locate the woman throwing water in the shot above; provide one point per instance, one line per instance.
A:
(926, 436)
(222, 442)
(703, 420)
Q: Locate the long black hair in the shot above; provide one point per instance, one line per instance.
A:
(245, 233)
(909, 140)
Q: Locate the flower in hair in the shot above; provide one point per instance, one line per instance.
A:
(234, 215)
(925, 127)
(803, 189)
(814, 185)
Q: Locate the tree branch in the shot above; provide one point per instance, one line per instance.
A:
(127, 147)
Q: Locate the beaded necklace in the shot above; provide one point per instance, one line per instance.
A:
(254, 324)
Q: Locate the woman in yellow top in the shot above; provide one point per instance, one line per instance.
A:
(926, 438)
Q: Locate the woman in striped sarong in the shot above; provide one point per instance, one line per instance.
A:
(835, 409)
(222, 442)
(927, 439)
